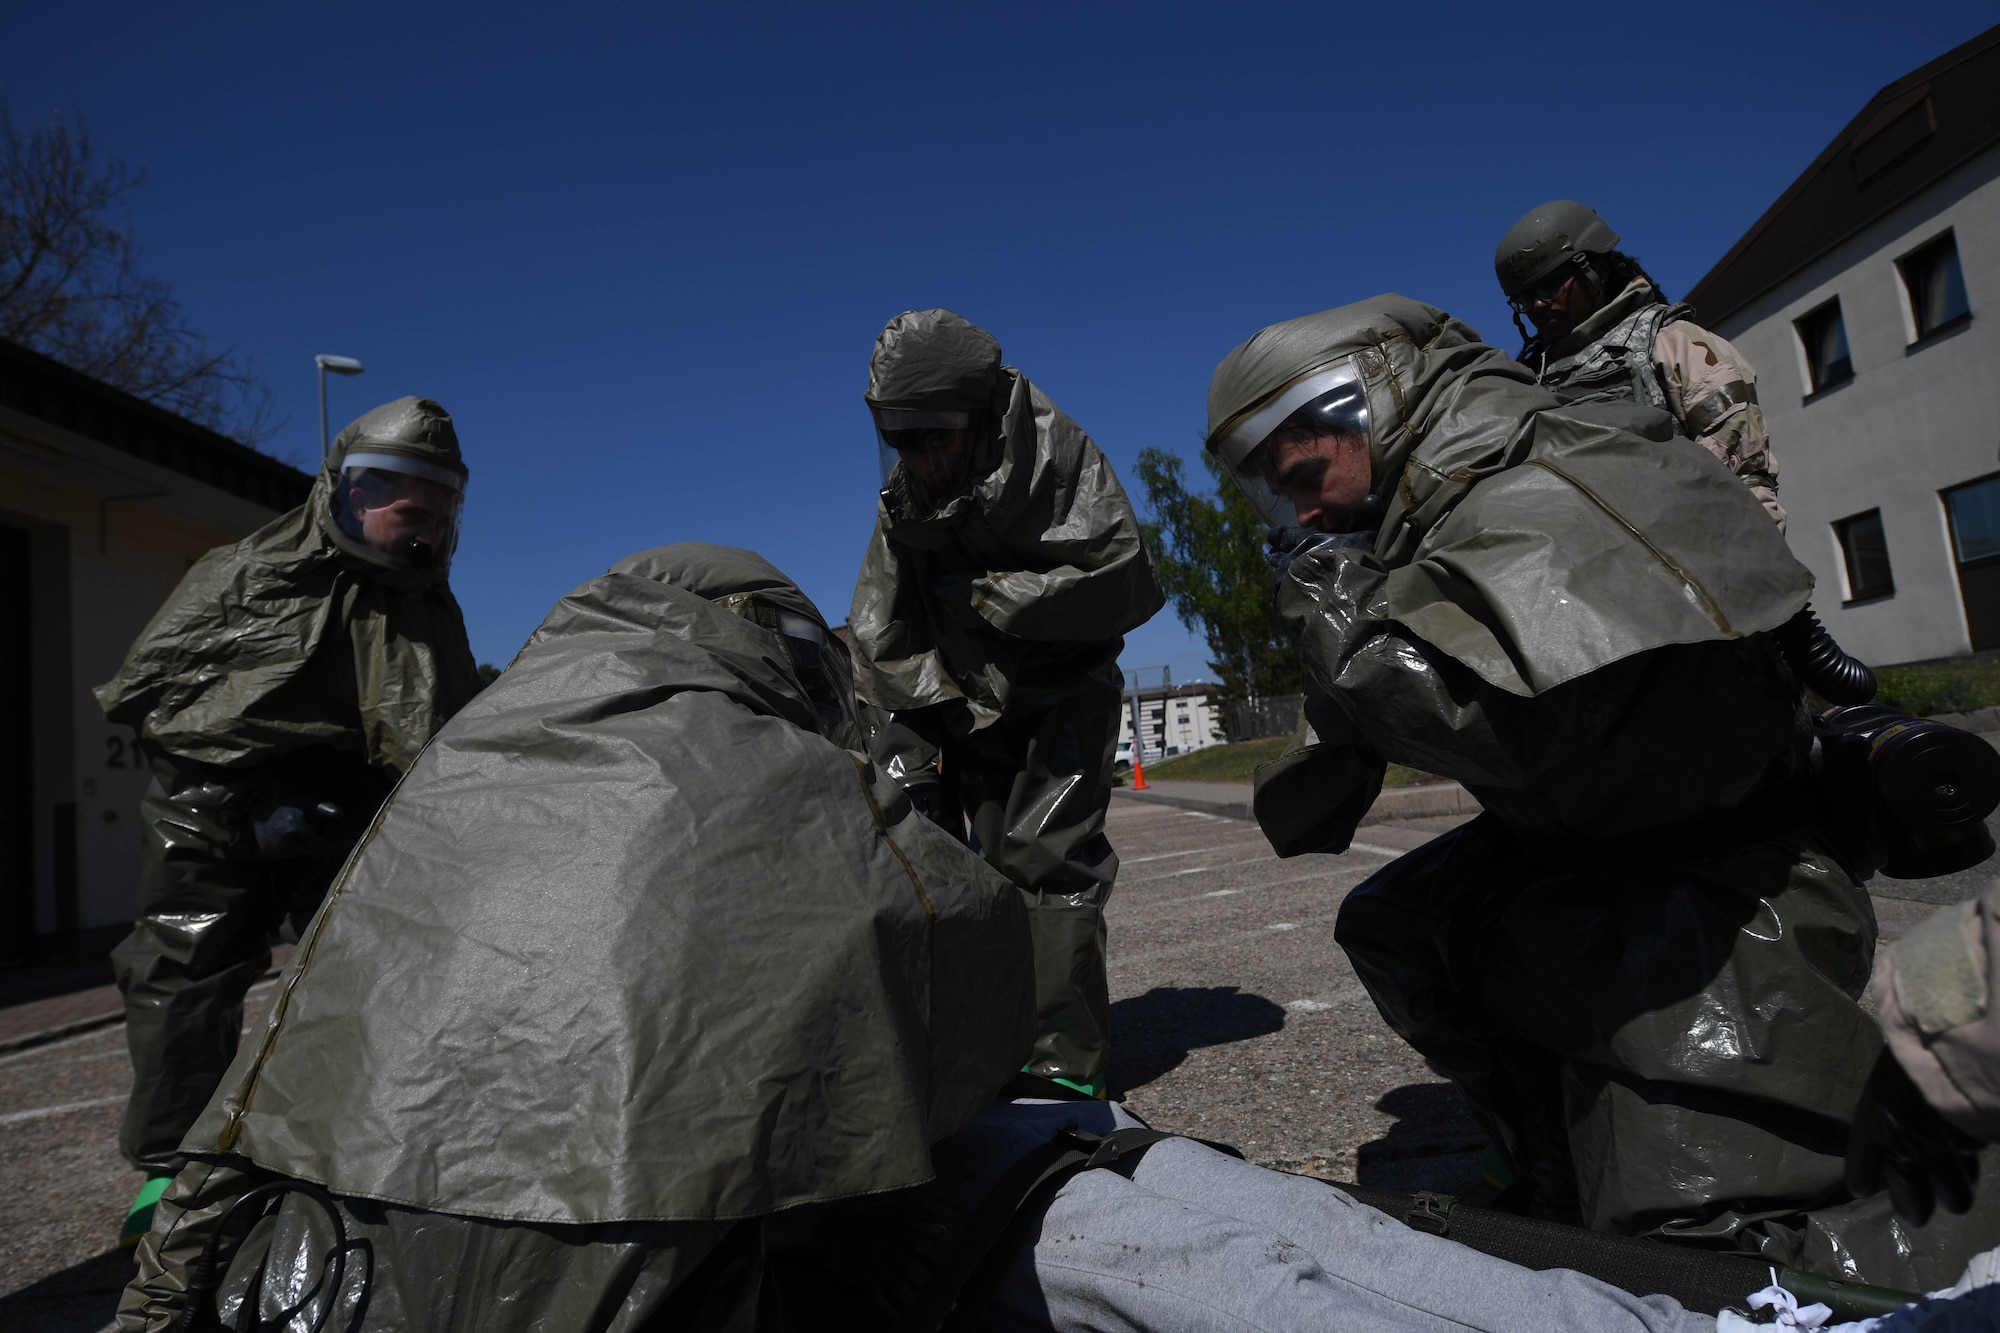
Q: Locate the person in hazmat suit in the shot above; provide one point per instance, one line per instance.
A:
(1604, 332)
(284, 686)
(640, 953)
(1642, 963)
(1004, 569)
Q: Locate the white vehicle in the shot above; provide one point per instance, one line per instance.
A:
(1121, 760)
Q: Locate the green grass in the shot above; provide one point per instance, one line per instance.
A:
(1929, 688)
(1238, 763)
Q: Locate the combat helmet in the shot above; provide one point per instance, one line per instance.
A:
(1545, 239)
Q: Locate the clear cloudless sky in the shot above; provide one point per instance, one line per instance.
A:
(641, 251)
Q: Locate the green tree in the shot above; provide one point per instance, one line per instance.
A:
(1209, 552)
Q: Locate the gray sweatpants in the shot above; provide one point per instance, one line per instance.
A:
(1194, 1241)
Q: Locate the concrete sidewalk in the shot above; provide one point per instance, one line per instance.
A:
(1232, 799)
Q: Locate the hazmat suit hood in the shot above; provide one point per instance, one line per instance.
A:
(634, 941)
(411, 434)
(1039, 552)
(298, 636)
(1531, 542)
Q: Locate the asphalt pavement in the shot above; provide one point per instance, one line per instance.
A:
(1236, 1018)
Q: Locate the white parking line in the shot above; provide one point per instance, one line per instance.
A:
(1163, 856)
(16, 1117)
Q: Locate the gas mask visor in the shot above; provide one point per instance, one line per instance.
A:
(930, 448)
(823, 669)
(1270, 450)
(404, 509)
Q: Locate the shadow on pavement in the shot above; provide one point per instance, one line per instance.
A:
(1435, 1143)
(81, 1299)
(1153, 1033)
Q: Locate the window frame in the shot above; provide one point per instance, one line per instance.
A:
(1814, 386)
(1857, 596)
(1951, 523)
(1916, 334)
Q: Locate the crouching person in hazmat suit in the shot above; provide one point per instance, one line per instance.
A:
(639, 953)
(1004, 570)
(278, 694)
(1641, 964)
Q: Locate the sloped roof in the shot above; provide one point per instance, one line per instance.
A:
(44, 388)
(1911, 134)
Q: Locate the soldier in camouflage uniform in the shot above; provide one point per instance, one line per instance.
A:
(1605, 332)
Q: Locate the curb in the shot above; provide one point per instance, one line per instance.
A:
(1426, 799)
(28, 1041)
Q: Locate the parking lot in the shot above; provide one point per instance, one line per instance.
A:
(1236, 1018)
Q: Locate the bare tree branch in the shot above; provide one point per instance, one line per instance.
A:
(70, 285)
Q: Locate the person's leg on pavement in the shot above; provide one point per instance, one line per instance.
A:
(1035, 787)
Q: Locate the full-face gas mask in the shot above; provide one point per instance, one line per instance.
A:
(926, 456)
(823, 668)
(403, 509)
(1277, 451)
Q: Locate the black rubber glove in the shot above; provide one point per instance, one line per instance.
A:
(1288, 544)
(1898, 1135)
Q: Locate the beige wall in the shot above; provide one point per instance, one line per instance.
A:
(1914, 420)
(113, 561)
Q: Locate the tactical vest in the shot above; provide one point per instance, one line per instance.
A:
(1618, 367)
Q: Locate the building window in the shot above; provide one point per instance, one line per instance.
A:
(1866, 551)
(1974, 511)
(1975, 520)
(1936, 286)
(1824, 339)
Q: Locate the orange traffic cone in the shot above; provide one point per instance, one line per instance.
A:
(1138, 774)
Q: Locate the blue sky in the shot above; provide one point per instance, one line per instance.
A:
(641, 251)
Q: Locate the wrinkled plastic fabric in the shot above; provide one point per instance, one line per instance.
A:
(1642, 965)
(987, 631)
(1033, 789)
(279, 692)
(1040, 555)
(1529, 543)
(284, 642)
(410, 1271)
(1677, 1035)
(218, 883)
(632, 942)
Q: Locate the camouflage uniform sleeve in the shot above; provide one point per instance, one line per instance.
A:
(1713, 391)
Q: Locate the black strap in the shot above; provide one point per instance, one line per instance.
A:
(1025, 1086)
(953, 1301)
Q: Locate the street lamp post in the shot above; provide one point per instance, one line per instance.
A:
(339, 365)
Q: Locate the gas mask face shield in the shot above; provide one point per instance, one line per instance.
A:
(405, 510)
(1278, 452)
(822, 669)
(926, 456)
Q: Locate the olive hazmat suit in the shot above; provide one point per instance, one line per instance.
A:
(986, 628)
(640, 953)
(1642, 964)
(279, 693)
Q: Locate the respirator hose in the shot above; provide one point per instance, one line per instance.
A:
(1821, 663)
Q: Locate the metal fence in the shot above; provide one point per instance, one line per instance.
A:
(1276, 716)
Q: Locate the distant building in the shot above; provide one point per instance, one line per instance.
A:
(1868, 298)
(1173, 719)
(105, 500)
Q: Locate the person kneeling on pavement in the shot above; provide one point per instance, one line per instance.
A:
(639, 953)
(646, 1004)
(1642, 964)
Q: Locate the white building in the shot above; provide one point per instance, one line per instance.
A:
(1868, 299)
(1173, 719)
(105, 500)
